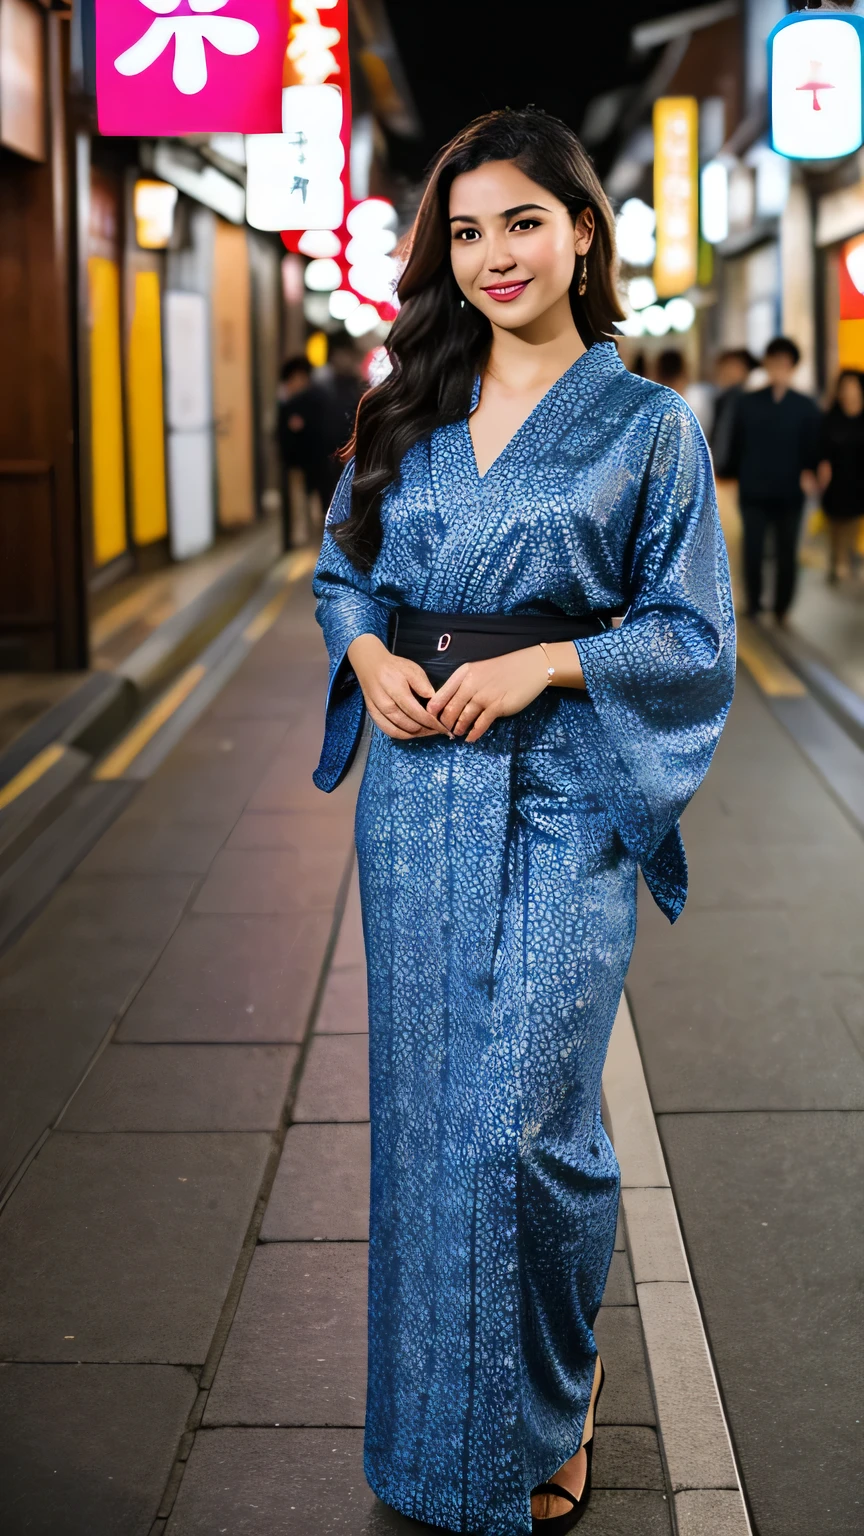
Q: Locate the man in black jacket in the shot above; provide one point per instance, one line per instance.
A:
(773, 455)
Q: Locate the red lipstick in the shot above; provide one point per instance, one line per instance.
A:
(502, 293)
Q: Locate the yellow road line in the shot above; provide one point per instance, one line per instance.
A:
(297, 563)
(30, 773)
(262, 621)
(116, 763)
(768, 670)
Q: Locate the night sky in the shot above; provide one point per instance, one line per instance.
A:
(465, 58)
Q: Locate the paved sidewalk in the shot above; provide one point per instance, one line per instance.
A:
(750, 1019)
(182, 1312)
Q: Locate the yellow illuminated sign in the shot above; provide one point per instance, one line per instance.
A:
(676, 195)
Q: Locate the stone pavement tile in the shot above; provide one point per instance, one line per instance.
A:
(122, 1247)
(350, 949)
(827, 938)
(335, 1081)
(225, 978)
(847, 996)
(93, 944)
(296, 1353)
(283, 1482)
(263, 696)
(771, 1209)
(261, 881)
(287, 785)
(321, 1189)
(632, 1513)
(294, 830)
(184, 1088)
(711, 1512)
(627, 1457)
(626, 1394)
(653, 1235)
(739, 813)
(155, 847)
(620, 1243)
(85, 1450)
(738, 876)
(723, 1028)
(62, 986)
(211, 774)
(345, 1005)
(620, 1290)
(694, 1438)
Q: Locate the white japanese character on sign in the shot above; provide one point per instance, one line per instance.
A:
(228, 34)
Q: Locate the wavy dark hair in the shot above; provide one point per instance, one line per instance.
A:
(435, 345)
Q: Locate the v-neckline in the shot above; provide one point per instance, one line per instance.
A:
(475, 401)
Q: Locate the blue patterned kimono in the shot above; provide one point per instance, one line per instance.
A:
(498, 883)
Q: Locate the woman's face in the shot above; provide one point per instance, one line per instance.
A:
(850, 395)
(513, 245)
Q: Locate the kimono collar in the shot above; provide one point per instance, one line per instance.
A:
(586, 377)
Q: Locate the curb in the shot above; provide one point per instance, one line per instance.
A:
(706, 1488)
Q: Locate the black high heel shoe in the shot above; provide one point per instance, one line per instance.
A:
(559, 1525)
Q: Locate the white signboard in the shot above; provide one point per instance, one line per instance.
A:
(816, 88)
(294, 178)
(189, 418)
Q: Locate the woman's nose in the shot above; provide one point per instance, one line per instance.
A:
(500, 258)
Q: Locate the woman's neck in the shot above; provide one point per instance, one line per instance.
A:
(522, 361)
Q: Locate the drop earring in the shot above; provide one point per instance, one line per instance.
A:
(583, 281)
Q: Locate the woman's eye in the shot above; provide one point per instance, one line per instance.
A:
(467, 234)
(526, 224)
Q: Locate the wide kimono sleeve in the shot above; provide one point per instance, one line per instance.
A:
(346, 609)
(661, 684)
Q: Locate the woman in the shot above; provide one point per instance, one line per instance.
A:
(509, 467)
(840, 474)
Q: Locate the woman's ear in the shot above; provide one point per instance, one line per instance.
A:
(584, 231)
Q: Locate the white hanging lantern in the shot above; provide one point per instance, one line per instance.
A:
(815, 85)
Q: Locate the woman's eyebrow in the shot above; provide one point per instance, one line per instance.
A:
(509, 213)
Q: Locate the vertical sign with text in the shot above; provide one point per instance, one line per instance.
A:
(676, 193)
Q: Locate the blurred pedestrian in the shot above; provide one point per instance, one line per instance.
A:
(325, 413)
(673, 372)
(840, 474)
(773, 456)
(294, 376)
(731, 372)
(513, 488)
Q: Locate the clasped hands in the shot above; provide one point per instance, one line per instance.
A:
(464, 707)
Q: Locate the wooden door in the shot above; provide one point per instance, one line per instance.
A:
(41, 588)
(232, 376)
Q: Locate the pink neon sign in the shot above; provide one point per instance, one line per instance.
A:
(167, 67)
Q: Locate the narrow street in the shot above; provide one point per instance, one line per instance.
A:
(185, 1113)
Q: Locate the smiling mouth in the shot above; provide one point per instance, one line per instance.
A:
(504, 292)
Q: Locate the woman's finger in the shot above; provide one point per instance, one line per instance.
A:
(390, 729)
(453, 709)
(412, 706)
(467, 717)
(392, 710)
(445, 693)
(417, 679)
(482, 724)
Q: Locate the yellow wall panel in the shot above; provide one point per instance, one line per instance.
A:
(146, 417)
(850, 344)
(106, 411)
